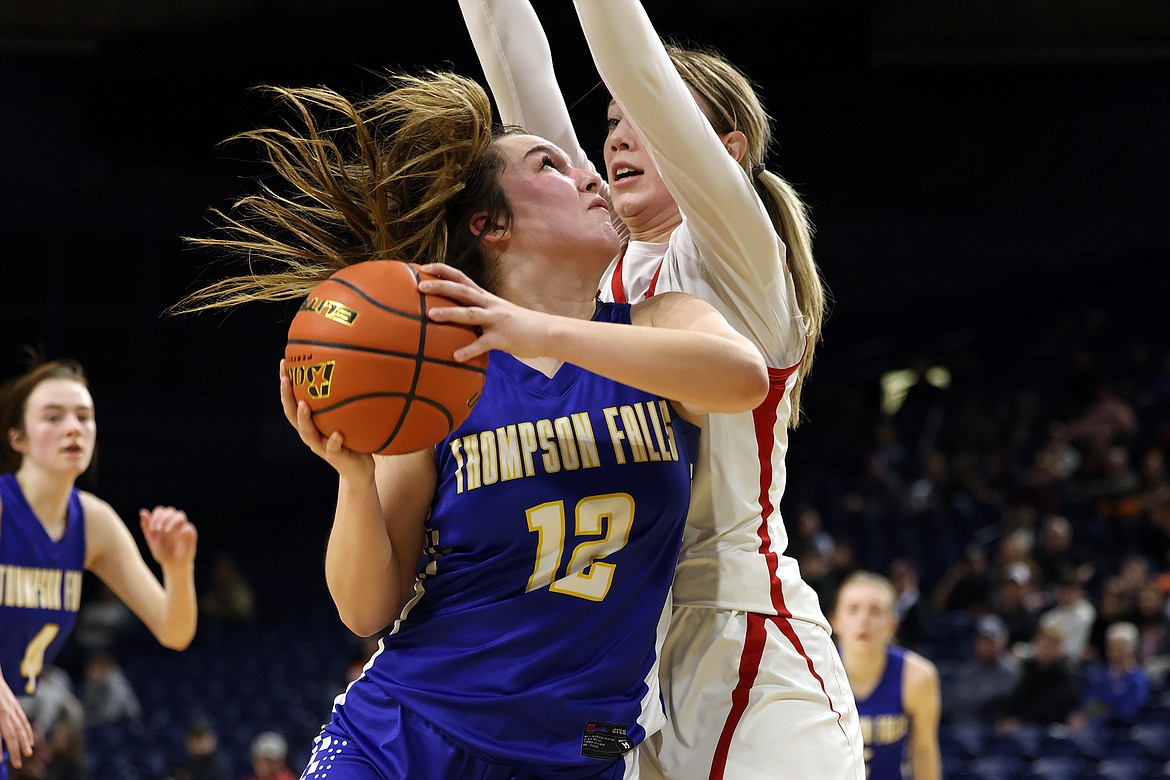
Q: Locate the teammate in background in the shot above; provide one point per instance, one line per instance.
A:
(51, 533)
(525, 561)
(897, 690)
(753, 683)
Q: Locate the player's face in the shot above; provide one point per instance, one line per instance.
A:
(556, 207)
(864, 616)
(59, 427)
(639, 195)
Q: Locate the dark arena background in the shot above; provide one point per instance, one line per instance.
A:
(990, 183)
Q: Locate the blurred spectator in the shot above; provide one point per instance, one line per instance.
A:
(54, 699)
(808, 533)
(1109, 419)
(1073, 615)
(1154, 537)
(966, 586)
(270, 758)
(979, 689)
(1117, 689)
(203, 761)
(1018, 603)
(229, 598)
(67, 751)
(108, 695)
(1049, 688)
(1056, 553)
(1112, 607)
(909, 609)
(1152, 623)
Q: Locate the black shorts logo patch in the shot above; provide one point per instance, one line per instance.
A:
(605, 740)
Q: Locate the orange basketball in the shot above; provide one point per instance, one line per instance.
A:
(362, 353)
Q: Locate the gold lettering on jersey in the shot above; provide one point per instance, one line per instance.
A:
(545, 435)
(330, 310)
(72, 595)
(884, 729)
(634, 434)
(583, 431)
(654, 454)
(489, 465)
(665, 409)
(508, 448)
(26, 587)
(641, 433)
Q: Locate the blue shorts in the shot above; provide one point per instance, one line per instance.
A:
(417, 751)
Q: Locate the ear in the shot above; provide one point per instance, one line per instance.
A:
(736, 143)
(480, 227)
(16, 439)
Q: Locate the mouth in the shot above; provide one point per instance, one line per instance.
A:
(599, 203)
(624, 173)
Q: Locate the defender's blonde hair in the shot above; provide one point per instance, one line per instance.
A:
(733, 104)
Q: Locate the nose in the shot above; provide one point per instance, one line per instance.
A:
(588, 181)
(618, 138)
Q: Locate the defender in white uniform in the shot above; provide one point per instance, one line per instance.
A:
(753, 684)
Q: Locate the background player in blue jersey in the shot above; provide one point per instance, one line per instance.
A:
(525, 562)
(897, 690)
(51, 533)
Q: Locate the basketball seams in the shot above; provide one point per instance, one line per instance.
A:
(369, 396)
(420, 316)
(430, 359)
(419, 358)
(390, 374)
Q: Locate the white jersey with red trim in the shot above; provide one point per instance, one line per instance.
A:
(726, 252)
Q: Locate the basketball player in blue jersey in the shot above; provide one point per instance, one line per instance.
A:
(897, 690)
(524, 563)
(51, 533)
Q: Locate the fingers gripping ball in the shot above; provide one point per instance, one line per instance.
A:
(363, 355)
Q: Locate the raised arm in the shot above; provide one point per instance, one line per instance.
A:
(514, 53)
(742, 255)
(168, 609)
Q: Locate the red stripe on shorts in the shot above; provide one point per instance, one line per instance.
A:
(754, 641)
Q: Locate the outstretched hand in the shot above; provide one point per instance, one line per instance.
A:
(503, 325)
(349, 464)
(16, 733)
(170, 536)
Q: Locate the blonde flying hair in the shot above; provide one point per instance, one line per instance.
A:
(396, 176)
(735, 105)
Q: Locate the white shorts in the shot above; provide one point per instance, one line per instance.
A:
(751, 696)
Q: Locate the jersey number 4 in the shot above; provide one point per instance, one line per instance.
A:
(33, 662)
(586, 575)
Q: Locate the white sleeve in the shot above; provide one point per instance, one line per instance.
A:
(742, 257)
(514, 53)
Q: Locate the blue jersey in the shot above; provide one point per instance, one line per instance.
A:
(885, 726)
(541, 600)
(40, 586)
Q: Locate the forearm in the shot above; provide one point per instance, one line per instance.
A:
(176, 627)
(361, 569)
(514, 53)
(663, 361)
(925, 762)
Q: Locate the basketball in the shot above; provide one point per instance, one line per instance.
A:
(363, 355)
